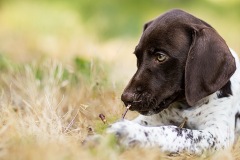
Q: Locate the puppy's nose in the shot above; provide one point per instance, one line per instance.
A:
(127, 98)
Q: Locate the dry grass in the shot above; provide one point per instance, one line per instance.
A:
(47, 117)
(51, 111)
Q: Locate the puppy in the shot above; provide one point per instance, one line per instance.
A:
(187, 76)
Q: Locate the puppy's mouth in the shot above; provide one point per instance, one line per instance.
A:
(157, 108)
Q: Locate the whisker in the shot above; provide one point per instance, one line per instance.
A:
(137, 101)
(155, 101)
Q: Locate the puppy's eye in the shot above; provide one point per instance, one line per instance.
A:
(161, 56)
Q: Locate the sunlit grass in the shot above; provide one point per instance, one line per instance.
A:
(47, 116)
(51, 110)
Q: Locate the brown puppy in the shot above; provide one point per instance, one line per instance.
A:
(179, 58)
(185, 68)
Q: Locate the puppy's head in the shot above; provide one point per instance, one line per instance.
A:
(179, 57)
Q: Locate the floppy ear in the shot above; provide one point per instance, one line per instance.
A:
(209, 65)
(146, 25)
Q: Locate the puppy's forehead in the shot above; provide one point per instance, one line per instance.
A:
(177, 16)
(164, 36)
(167, 30)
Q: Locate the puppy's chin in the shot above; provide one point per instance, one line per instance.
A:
(156, 110)
(164, 104)
(148, 113)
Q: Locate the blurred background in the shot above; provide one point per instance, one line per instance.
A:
(106, 30)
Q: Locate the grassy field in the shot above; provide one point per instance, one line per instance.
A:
(47, 108)
(62, 63)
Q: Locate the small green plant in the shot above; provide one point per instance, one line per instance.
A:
(6, 64)
(83, 66)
